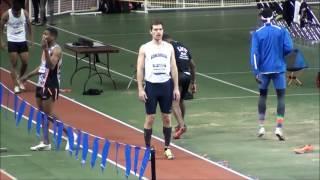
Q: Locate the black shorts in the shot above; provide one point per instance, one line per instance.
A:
(159, 92)
(184, 82)
(47, 93)
(18, 47)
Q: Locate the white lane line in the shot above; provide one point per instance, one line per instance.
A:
(15, 155)
(89, 150)
(247, 97)
(198, 73)
(139, 130)
(7, 174)
(228, 83)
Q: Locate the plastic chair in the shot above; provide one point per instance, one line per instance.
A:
(295, 64)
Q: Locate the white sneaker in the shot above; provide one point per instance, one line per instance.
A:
(75, 137)
(41, 147)
(21, 86)
(16, 90)
(168, 154)
(278, 132)
(261, 132)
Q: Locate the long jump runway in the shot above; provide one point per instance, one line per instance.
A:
(186, 165)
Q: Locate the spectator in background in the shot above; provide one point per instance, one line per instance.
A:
(303, 13)
(43, 12)
(288, 11)
(36, 6)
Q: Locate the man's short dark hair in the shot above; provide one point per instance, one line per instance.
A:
(155, 22)
(16, 5)
(266, 13)
(53, 31)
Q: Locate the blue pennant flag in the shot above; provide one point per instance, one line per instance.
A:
(59, 135)
(104, 155)
(70, 140)
(31, 114)
(45, 126)
(95, 150)
(136, 159)
(0, 96)
(144, 162)
(7, 104)
(21, 112)
(39, 122)
(78, 143)
(15, 106)
(128, 159)
(55, 127)
(117, 151)
(85, 146)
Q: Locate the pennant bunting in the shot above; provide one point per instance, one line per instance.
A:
(55, 127)
(128, 159)
(59, 135)
(136, 159)
(85, 145)
(45, 128)
(70, 140)
(104, 155)
(95, 149)
(7, 104)
(117, 152)
(20, 112)
(144, 162)
(15, 106)
(78, 144)
(31, 114)
(39, 122)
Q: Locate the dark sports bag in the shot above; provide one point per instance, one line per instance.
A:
(92, 92)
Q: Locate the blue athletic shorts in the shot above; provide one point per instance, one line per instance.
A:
(278, 79)
(159, 92)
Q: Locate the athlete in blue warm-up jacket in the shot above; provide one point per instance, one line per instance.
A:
(270, 43)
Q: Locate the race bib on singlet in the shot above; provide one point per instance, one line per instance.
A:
(159, 64)
(43, 74)
(159, 68)
(18, 29)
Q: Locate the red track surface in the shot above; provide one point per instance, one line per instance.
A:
(3, 176)
(185, 165)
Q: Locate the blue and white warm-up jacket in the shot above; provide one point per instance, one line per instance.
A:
(270, 44)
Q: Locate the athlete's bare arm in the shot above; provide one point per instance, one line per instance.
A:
(29, 29)
(193, 76)
(174, 74)
(4, 20)
(52, 60)
(140, 74)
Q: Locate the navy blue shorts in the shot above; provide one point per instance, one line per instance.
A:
(184, 83)
(278, 79)
(18, 47)
(47, 93)
(159, 92)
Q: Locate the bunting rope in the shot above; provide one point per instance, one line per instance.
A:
(81, 137)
